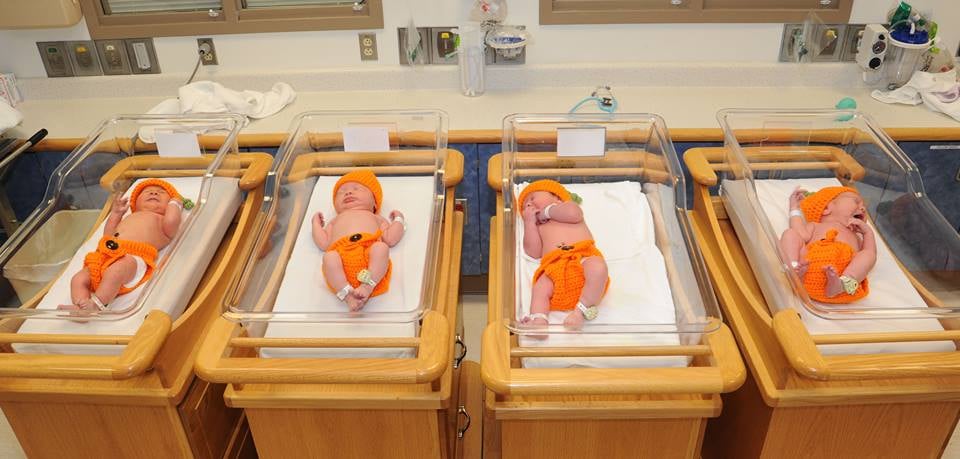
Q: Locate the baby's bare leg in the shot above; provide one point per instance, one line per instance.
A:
(379, 260)
(595, 280)
(539, 304)
(861, 264)
(80, 286)
(332, 268)
(114, 277)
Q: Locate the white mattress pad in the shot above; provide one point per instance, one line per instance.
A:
(173, 291)
(619, 217)
(303, 287)
(889, 286)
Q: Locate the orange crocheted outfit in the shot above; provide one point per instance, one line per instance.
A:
(830, 252)
(111, 249)
(564, 267)
(354, 253)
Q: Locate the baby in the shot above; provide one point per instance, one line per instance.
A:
(835, 264)
(126, 255)
(356, 264)
(576, 275)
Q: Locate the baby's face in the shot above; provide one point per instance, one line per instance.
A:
(540, 200)
(354, 196)
(154, 199)
(848, 205)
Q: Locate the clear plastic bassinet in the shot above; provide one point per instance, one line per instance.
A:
(282, 279)
(39, 259)
(625, 171)
(769, 153)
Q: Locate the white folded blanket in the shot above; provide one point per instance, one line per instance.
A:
(940, 92)
(210, 97)
(9, 116)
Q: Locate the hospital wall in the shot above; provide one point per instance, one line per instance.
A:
(600, 44)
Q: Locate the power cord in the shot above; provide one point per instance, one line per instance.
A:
(603, 95)
(201, 51)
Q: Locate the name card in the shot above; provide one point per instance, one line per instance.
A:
(589, 141)
(177, 144)
(366, 139)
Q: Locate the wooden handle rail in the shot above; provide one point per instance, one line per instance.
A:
(703, 163)
(397, 162)
(726, 373)
(250, 167)
(802, 353)
(137, 356)
(215, 364)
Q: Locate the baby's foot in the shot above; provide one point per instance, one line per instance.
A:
(353, 303)
(361, 294)
(76, 310)
(574, 320)
(834, 285)
(533, 322)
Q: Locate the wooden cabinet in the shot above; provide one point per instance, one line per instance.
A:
(652, 11)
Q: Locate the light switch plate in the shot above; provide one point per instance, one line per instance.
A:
(425, 45)
(55, 59)
(83, 58)
(113, 57)
(143, 58)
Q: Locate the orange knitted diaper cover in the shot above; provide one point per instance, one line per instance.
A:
(110, 250)
(830, 252)
(354, 252)
(564, 267)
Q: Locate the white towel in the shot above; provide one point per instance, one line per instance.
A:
(210, 97)
(9, 116)
(940, 92)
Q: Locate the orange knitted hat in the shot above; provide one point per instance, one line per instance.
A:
(814, 204)
(174, 194)
(550, 186)
(365, 177)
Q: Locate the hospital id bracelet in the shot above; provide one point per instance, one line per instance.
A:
(590, 312)
(546, 210)
(364, 277)
(102, 307)
(176, 203)
(342, 294)
(850, 285)
(796, 213)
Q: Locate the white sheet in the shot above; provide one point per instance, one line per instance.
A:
(170, 295)
(619, 217)
(889, 287)
(303, 286)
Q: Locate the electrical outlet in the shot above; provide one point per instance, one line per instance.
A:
(143, 58)
(210, 56)
(368, 46)
(851, 42)
(54, 57)
(83, 58)
(113, 57)
(828, 42)
(423, 51)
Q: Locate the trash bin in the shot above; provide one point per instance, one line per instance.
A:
(48, 251)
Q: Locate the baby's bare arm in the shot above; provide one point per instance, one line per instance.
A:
(392, 231)
(566, 212)
(119, 208)
(171, 219)
(321, 235)
(532, 244)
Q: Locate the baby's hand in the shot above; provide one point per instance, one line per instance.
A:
(395, 214)
(797, 196)
(530, 213)
(120, 205)
(318, 219)
(859, 226)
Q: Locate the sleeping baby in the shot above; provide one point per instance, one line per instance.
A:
(356, 262)
(572, 275)
(823, 246)
(126, 255)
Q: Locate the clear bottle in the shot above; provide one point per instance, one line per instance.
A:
(472, 61)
